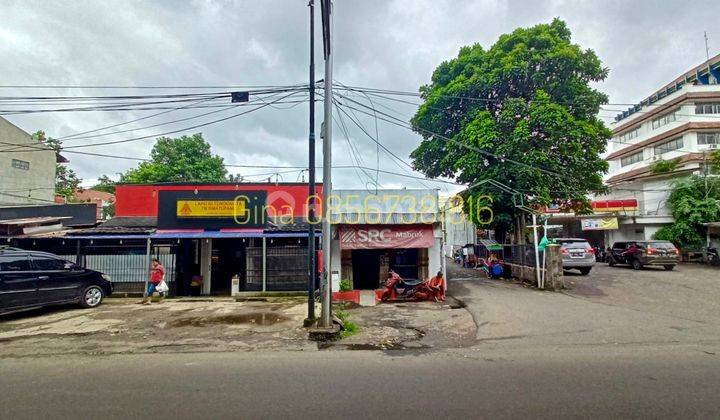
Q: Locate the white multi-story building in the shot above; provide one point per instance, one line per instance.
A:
(679, 123)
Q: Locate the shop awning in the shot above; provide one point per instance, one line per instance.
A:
(384, 236)
(206, 234)
(145, 236)
(230, 233)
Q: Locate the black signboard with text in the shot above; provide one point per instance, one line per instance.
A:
(211, 209)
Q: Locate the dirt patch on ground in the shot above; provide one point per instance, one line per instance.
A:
(409, 326)
(256, 318)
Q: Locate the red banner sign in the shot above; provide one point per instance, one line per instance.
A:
(379, 236)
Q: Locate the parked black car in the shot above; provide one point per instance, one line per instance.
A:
(32, 279)
(641, 253)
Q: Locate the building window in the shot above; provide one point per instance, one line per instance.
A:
(708, 138)
(668, 146)
(629, 136)
(665, 119)
(707, 108)
(634, 158)
(20, 164)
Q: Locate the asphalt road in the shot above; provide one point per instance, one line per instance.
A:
(612, 306)
(472, 383)
(618, 344)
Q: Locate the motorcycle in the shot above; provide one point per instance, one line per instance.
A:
(712, 256)
(397, 288)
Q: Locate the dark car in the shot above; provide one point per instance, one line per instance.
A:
(641, 253)
(32, 279)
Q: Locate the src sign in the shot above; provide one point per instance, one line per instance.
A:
(378, 237)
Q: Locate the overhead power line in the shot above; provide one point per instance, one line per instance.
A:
(163, 133)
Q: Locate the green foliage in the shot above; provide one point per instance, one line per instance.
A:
(350, 328)
(66, 180)
(664, 166)
(715, 162)
(345, 285)
(528, 99)
(186, 158)
(693, 201)
(108, 211)
(105, 184)
(682, 234)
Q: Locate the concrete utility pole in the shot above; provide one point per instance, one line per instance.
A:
(312, 266)
(325, 318)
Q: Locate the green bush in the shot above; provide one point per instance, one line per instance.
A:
(345, 285)
(664, 166)
(693, 201)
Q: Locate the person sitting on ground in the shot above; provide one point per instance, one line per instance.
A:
(433, 289)
(437, 285)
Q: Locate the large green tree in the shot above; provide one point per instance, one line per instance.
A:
(66, 180)
(522, 113)
(186, 158)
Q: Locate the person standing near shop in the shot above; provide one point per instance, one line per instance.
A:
(157, 276)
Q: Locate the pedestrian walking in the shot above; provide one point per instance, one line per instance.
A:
(156, 283)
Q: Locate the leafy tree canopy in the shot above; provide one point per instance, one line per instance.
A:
(692, 202)
(105, 184)
(186, 158)
(521, 113)
(66, 180)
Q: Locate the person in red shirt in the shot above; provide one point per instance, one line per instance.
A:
(432, 289)
(157, 275)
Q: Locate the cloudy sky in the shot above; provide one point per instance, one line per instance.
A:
(390, 44)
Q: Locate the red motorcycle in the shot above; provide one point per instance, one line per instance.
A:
(398, 289)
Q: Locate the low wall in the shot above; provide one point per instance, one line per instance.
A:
(553, 271)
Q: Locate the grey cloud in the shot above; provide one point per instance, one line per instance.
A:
(388, 44)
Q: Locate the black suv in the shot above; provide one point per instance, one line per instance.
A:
(32, 279)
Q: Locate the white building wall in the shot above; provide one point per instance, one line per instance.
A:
(336, 262)
(652, 194)
(435, 253)
(459, 232)
(32, 179)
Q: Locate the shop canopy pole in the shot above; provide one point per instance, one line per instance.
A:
(148, 262)
(264, 264)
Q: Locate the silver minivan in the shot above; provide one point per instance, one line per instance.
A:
(576, 254)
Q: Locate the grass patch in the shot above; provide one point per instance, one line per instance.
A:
(351, 328)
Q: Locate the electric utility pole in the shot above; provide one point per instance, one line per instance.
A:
(325, 318)
(312, 265)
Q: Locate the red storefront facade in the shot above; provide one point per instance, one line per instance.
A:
(134, 200)
(227, 236)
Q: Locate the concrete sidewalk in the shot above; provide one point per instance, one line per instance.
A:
(222, 324)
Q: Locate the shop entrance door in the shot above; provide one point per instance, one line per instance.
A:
(228, 259)
(366, 268)
(405, 262)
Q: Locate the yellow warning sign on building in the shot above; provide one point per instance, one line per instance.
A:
(210, 208)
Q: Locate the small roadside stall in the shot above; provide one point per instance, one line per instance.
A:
(376, 232)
